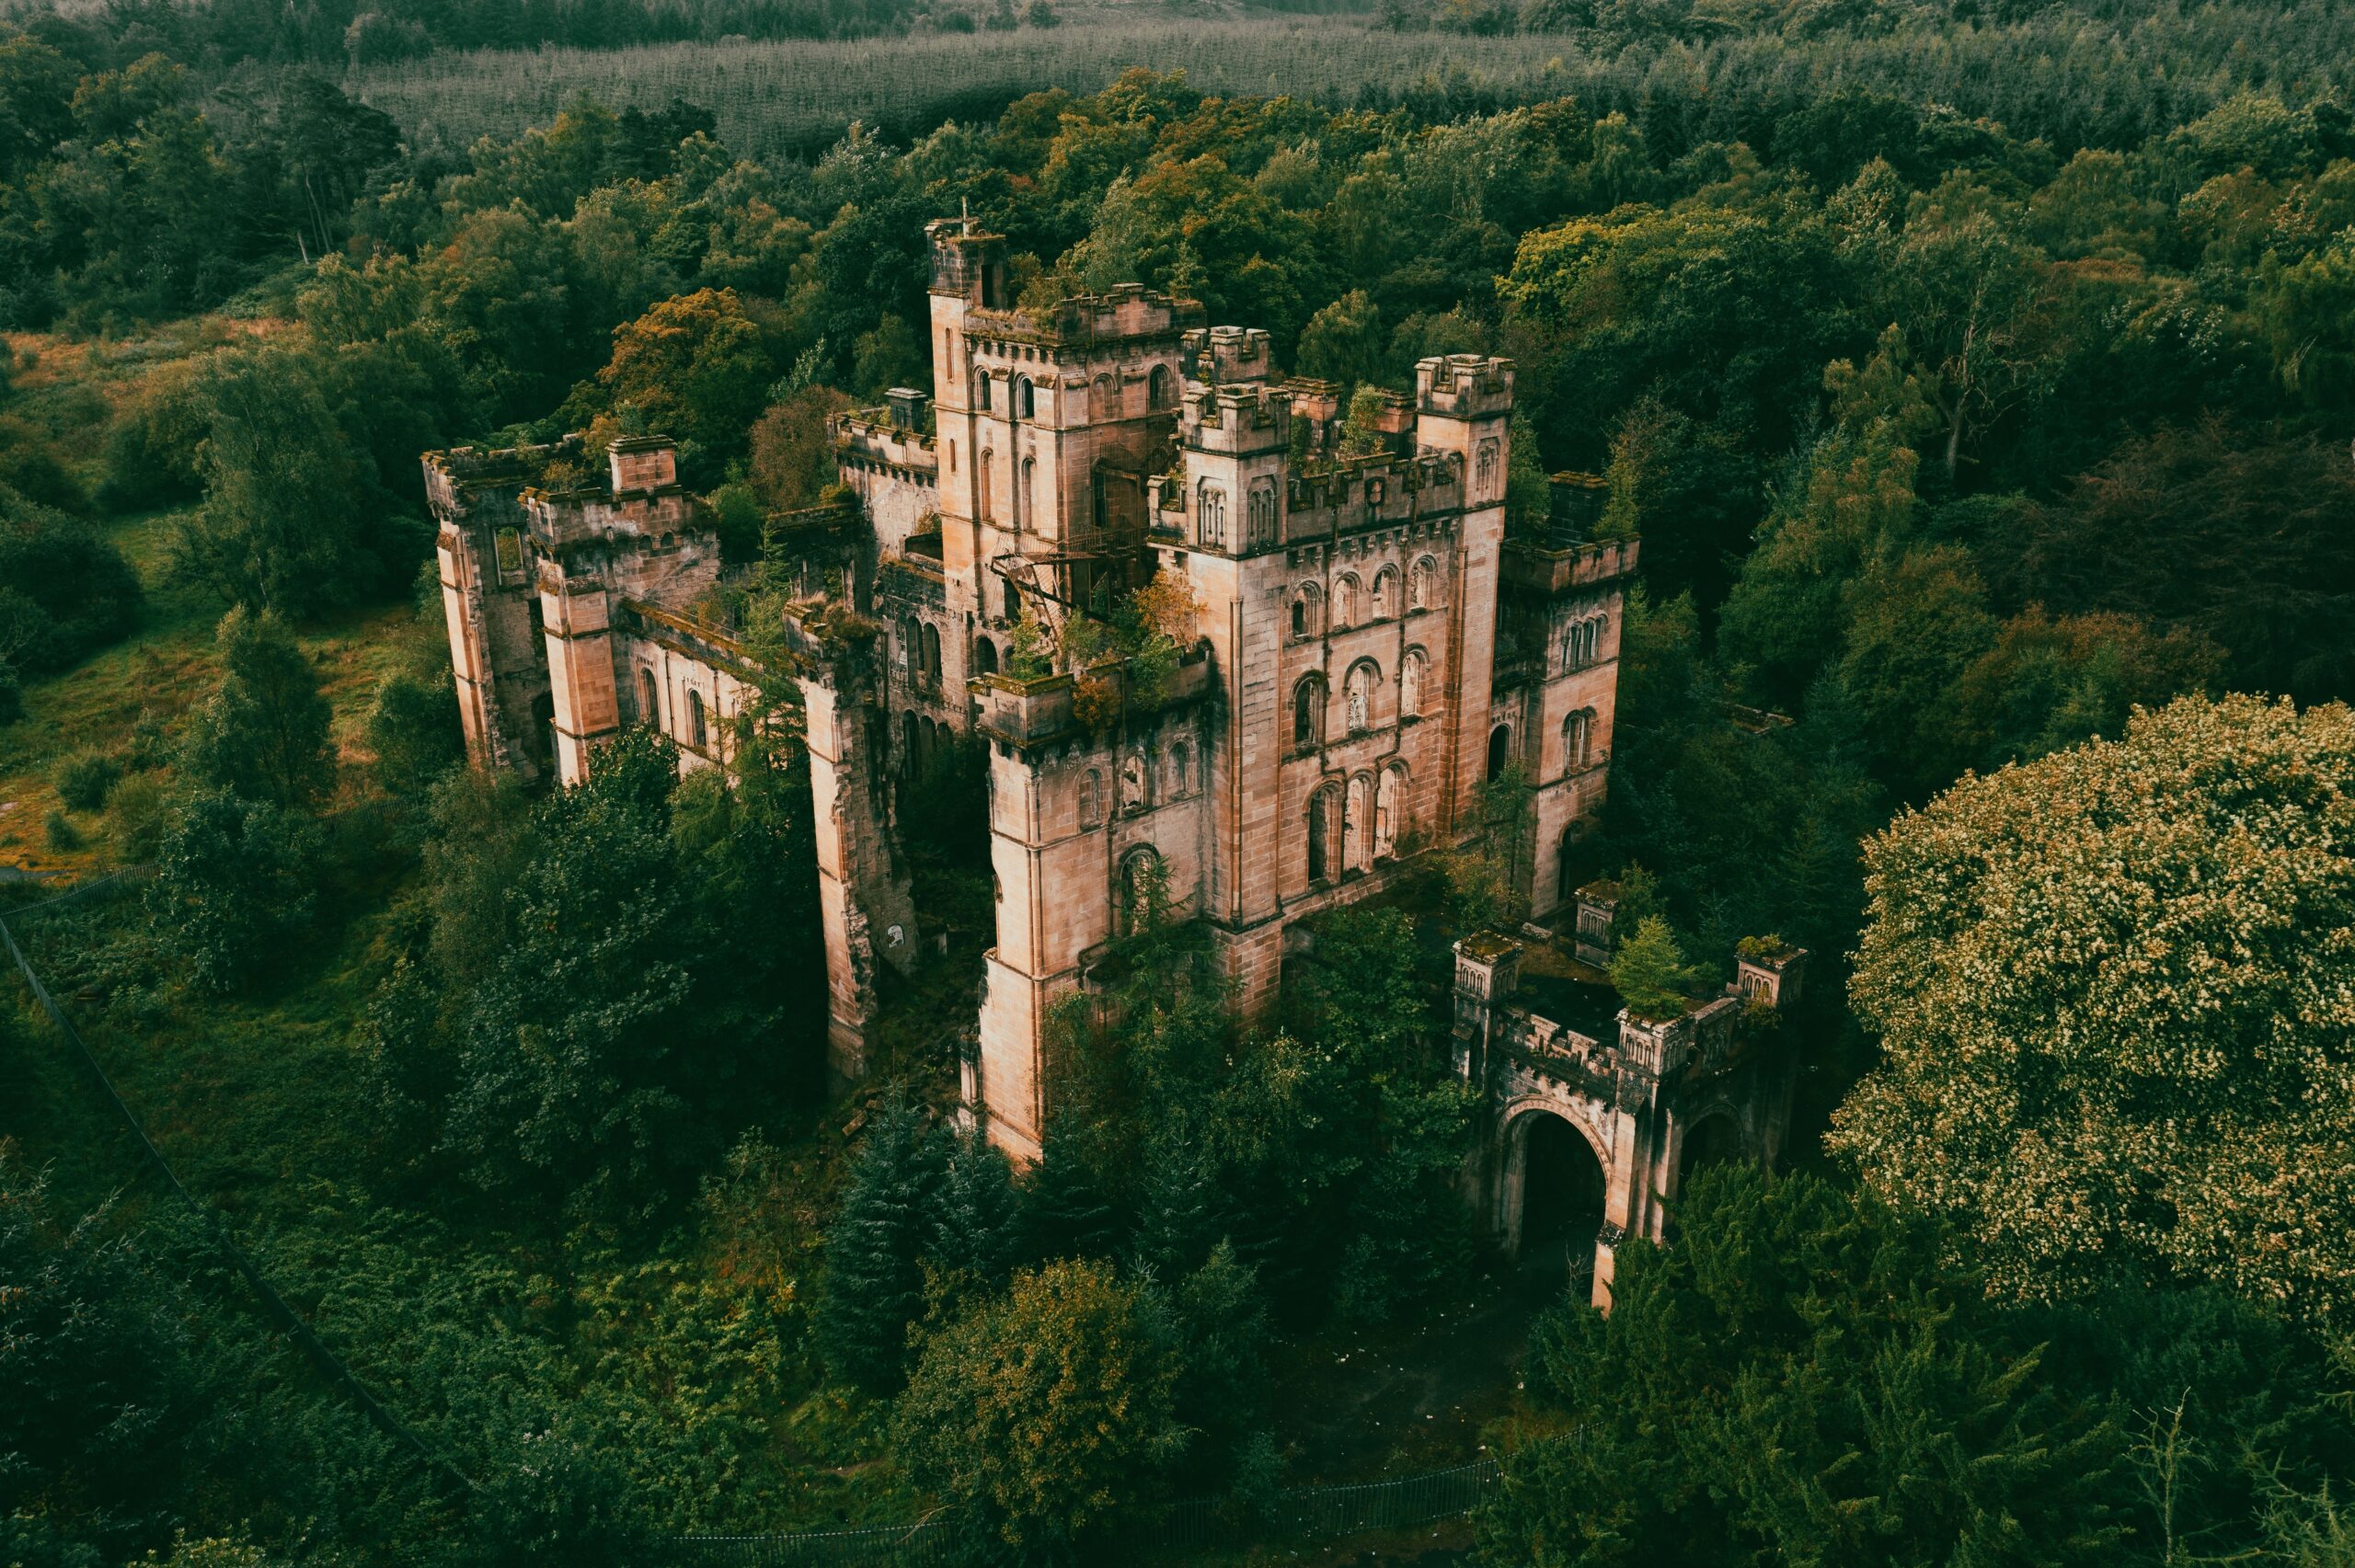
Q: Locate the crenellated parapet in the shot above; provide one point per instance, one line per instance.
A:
(1543, 1035)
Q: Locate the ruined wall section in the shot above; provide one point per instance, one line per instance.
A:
(483, 556)
(1076, 816)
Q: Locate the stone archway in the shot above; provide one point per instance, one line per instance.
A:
(1552, 1200)
(1715, 1139)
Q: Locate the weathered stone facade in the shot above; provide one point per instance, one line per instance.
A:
(1646, 1099)
(1369, 646)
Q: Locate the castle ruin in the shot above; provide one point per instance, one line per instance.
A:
(1366, 646)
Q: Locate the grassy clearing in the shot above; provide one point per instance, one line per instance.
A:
(165, 669)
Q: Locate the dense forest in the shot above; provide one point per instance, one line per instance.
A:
(1983, 408)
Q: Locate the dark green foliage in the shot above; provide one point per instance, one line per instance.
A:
(64, 590)
(235, 887)
(874, 1287)
(977, 1218)
(12, 693)
(107, 1410)
(578, 1048)
(1051, 1411)
(293, 518)
(263, 736)
(84, 778)
(1801, 1380)
(413, 728)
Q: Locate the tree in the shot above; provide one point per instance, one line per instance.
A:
(792, 455)
(581, 1047)
(71, 591)
(1650, 972)
(696, 367)
(2115, 1015)
(874, 1287)
(413, 728)
(286, 523)
(263, 735)
(235, 887)
(1343, 343)
(110, 1412)
(1799, 1379)
(1049, 1410)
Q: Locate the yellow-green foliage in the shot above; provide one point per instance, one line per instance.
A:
(2116, 998)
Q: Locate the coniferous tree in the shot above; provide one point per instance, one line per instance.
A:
(976, 1224)
(874, 1272)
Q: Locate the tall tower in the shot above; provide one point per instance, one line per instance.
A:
(1462, 407)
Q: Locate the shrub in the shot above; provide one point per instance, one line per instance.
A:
(138, 810)
(12, 695)
(413, 728)
(60, 833)
(85, 778)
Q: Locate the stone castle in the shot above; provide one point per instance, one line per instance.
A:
(1365, 645)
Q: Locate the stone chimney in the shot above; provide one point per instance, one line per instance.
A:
(1488, 971)
(906, 406)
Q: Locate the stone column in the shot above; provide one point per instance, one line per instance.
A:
(863, 900)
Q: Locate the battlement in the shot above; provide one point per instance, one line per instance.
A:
(449, 474)
(1534, 568)
(1218, 355)
(879, 436)
(1128, 312)
(1030, 713)
(968, 262)
(1234, 418)
(1463, 387)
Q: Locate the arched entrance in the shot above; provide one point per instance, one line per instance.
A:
(1561, 1205)
(1499, 750)
(1715, 1139)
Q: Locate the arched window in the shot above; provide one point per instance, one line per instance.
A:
(1389, 809)
(1157, 389)
(1320, 835)
(1345, 603)
(1594, 641)
(1181, 757)
(908, 733)
(1026, 401)
(1423, 583)
(1091, 799)
(1105, 404)
(984, 657)
(1499, 750)
(1013, 601)
(932, 650)
(1132, 781)
(1564, 883)
(1027, 517)
(1357, 839)
(982, 392)
(648, 713)
(697, 735)
(1358, 690)
(1577, 731)
(1262, 521)
(1308, 712)
(1210, 504)
(1410, 681)
(1484, 472)
(988, 486)
(1307, 607)
(1385, 593)
(1141, 887)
